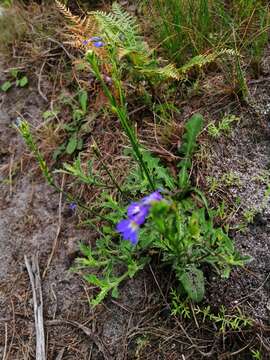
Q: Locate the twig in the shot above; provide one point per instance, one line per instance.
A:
(257, 81)
(39, 82)
(34, 275)
(60, 355)
(57, 231)
(107, 354)
(10, 173)
(6, 342)
(62, 46)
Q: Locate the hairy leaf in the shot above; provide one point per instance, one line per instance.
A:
(193, 283)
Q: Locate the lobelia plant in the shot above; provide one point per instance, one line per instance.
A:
(175, 223)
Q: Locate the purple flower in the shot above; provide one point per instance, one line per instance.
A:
(96, 41)
(85, 42)
(129, 230)
(95, 38)
(72, 206)
(137, 212)
(98, 44)
(150, 199)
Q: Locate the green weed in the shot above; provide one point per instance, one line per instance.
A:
(256, 354)
(223, 127)
(17, 78)
(78, 106)
(180, 227)
(191, 27)
(223, 320)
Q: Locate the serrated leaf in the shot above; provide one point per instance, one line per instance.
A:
(158, 171)
(193, 283)
(85, 250)
(192, 130)
(93, 279)
(100, 297)
(72, 145)
(6, 86)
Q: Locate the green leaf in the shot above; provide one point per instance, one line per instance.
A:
(85, 250)
(83, 100)
(77, 115)
(193, 283)
(100, 297)
(49, 114)
(59, 151)
(72, 145)
(23, 81)
(6, 86)
(93, 279)
(115, 292)
(192, 130)
(14, 72)
(80, 144)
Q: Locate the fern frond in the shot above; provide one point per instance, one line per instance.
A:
(120, 27)
(129, 23)
(202, 60)
(82, 27)
(67, 13)
(167, 72)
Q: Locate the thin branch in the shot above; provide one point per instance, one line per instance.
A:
(35, 280)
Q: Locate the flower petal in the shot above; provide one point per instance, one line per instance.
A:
(95, 38)
(98, 44)
(137, 212)
(155, 196)
(133, 238)
(122, 225)
(129, 230)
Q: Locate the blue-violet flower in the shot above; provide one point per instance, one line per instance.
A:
(72, 206)
(98, 44)
(129, 230)
(95, 38)
(138, 212)
(150, 199)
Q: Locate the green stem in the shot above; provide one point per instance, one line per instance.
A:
(120, 110)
